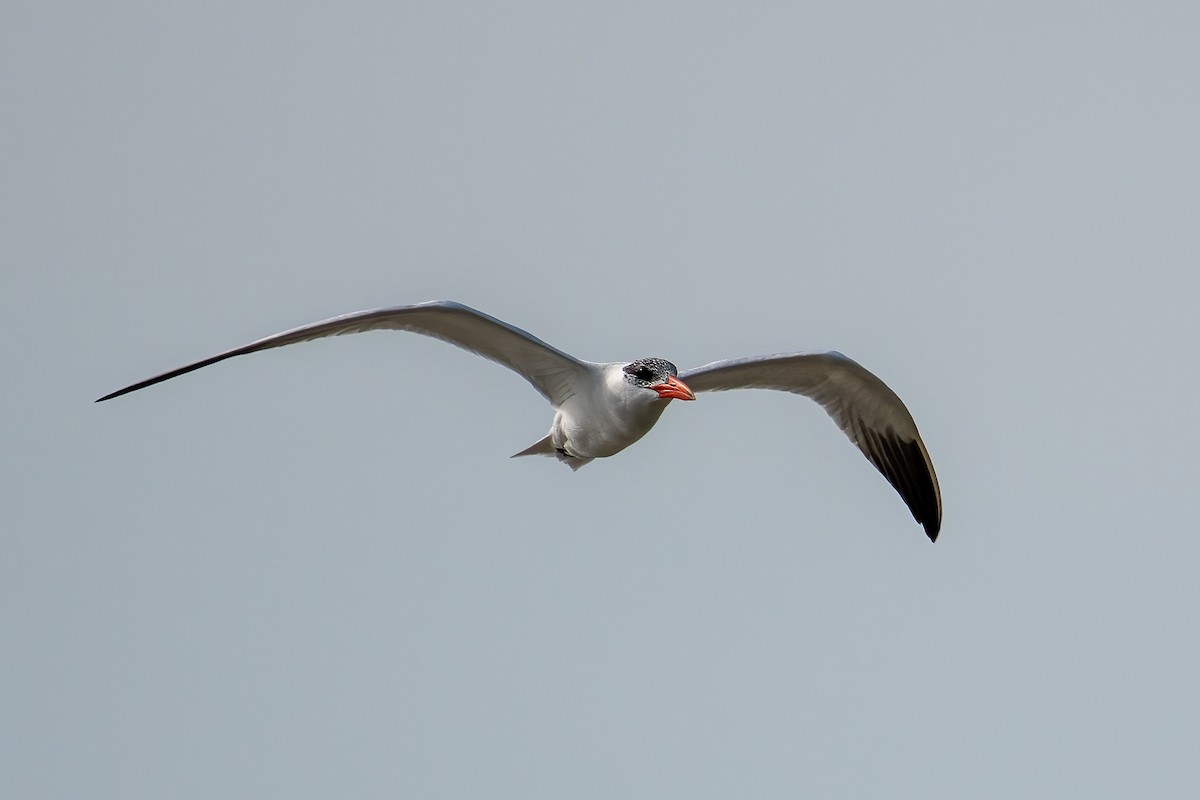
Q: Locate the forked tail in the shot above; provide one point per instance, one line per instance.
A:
(543, 447)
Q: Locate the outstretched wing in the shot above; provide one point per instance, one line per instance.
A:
(552, 372)
(861, 404)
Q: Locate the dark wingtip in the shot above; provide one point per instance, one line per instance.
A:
(904, 465)
(111, 395)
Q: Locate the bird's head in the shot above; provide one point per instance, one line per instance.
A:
(658, 375)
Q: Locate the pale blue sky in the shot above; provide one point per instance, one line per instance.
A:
(315, 572)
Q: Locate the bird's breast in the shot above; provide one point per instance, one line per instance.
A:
(601, 430)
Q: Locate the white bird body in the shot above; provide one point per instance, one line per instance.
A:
(600, 421)
(603, 408)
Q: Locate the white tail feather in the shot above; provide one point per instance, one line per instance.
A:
(544, 447)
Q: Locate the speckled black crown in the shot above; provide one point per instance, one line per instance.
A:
(646, 371)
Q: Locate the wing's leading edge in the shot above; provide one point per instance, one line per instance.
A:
(552, 372)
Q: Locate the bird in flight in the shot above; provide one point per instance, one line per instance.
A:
(602, 408)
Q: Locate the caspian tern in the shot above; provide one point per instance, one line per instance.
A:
(602, 408)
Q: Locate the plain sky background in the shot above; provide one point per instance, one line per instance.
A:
(314, 572)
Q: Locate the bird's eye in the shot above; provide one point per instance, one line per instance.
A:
(641, 372)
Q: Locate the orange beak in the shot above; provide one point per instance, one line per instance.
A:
(674, 389)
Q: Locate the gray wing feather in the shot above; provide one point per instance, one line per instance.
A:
(862, 405)
(552, 372)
